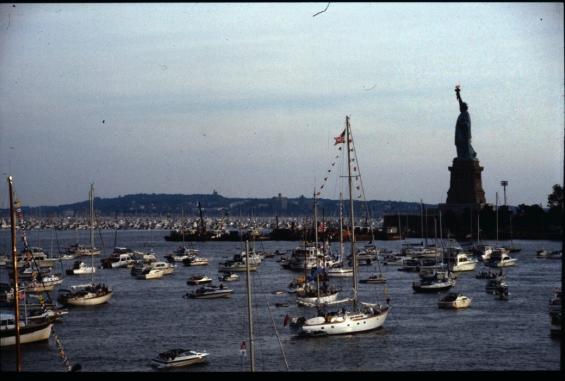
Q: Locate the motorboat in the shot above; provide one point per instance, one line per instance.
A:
(500, 259)
(150, 273)
(198, 279)
(461, 261)
(438, 281)
(228, 277)
(493, 284)
(501, 291)
(177, 358)
(79, 250)
(30, 332)
(121, 257)
(147, 258)
(374, 279)
(210, 292)
(166, 267)
(195, 261)
(181, 253)
(81, 268)
(454, 301)
(231, 266)
(85, 295)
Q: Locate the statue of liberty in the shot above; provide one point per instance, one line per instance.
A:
(465, 150)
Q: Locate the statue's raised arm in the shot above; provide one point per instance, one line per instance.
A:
(463, 131)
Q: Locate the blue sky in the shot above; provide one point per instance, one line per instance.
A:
(245, 99)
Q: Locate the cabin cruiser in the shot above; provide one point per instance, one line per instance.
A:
(81, 268)
(181, 253)
(435, 282)
(150, 273)
(195, 261)
(176, 358)
(500, 259)
(120, 257)
(166, 267)
(461, 261)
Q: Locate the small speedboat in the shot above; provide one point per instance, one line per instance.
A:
(454, 301)
(374, 279)
(195, 261)
(176, 358)
(198, 279)
(210, 292)
(228, 277)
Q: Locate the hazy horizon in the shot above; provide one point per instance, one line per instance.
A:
(246, 98)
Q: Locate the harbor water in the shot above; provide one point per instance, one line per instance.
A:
(146, 317)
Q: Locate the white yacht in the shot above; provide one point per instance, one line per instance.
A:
(461, 261)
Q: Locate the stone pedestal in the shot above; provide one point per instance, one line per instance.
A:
(466, 186)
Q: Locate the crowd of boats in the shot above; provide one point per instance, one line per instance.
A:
(329, 310)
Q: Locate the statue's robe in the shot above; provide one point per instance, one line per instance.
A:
(463, 137)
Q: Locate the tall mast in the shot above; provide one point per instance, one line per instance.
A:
(15, 271)
(315, 222)
(250, 316)
(422, 218)
(341, 227)
(351, 215)
(91, 198)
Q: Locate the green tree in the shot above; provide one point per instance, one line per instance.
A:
(555, 199)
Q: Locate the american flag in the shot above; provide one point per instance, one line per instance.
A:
(340, 139)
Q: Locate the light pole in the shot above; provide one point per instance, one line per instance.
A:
(504, 183)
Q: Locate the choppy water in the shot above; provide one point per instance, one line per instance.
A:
(145, 317)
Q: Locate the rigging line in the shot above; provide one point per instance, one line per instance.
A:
(273, 321)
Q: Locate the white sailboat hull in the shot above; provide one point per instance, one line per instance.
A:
(341, 325)
(89, 301)
(31, 337)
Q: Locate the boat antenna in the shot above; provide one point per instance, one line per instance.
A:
(15, 271)
(91, 198)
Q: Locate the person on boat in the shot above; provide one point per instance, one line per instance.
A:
(221, 286)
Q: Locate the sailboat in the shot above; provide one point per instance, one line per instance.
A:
(316, 289)
(89, 294)
(338, 270)
(361, 317)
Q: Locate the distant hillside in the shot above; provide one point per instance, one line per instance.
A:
(214, 205)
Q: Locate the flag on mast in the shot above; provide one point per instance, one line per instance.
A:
(340, 139)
